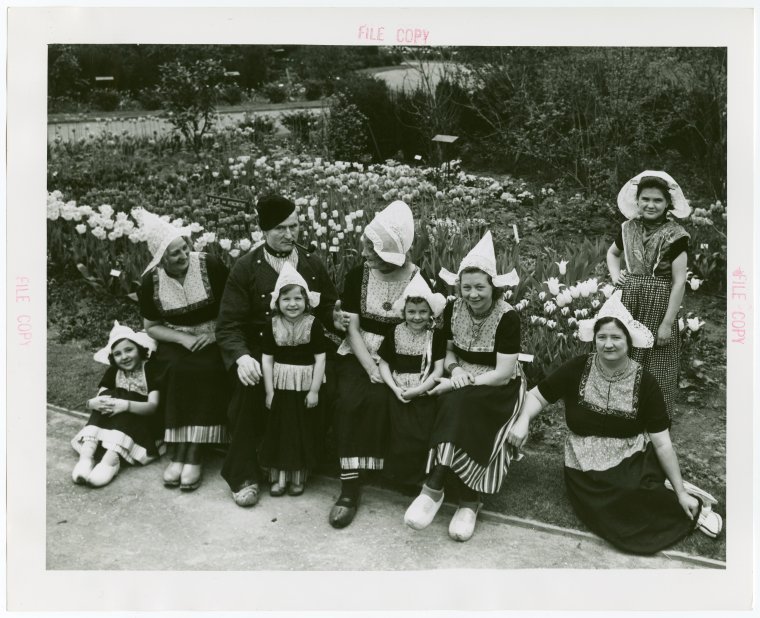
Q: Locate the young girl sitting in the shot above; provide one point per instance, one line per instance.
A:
(293, 366)
(411, 359)
(122, 420)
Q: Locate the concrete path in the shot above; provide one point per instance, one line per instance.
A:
(137, 524)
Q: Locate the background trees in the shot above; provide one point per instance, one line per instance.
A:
(583, 117)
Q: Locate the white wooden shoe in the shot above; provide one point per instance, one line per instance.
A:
(102, 474)
(710, 523)
(462, 525)
(421, 512)
(82, 470)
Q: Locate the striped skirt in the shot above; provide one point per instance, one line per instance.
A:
(647, 299)
(470, 432)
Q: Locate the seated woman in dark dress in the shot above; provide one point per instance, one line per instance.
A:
(179, 302)
(480, 399)
(618, 452)
(364, 404)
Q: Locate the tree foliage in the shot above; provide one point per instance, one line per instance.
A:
(596, 116)
(190, 93)
(347, 133)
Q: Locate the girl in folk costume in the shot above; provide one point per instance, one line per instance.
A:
(179, 299)
(411, 359)
(123, 419)
(654, 277)
(293, 364)
(480, 399)
(363, 402)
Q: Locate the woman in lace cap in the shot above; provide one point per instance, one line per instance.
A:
(179, 301)
(363, 403)
(618, 453)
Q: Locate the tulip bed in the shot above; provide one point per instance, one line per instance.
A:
(94, 183)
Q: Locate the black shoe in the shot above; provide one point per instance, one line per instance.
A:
(343, 511)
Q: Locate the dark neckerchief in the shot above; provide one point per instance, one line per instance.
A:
(277, 254)
(651, 226)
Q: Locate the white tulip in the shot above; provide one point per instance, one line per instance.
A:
(694, 324)
(553, 284)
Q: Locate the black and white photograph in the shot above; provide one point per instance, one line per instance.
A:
(396, 302)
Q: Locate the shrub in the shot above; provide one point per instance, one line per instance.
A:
(312, 89)
(150, 99)
(232, 94)
(63, 105)
(372, 99)
(275, 93)
(105, 99)
(190, 92)
(347, 133)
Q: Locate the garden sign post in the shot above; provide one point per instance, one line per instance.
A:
(446, 140)
(229, 206)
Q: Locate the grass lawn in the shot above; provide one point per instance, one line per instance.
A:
(534, 488)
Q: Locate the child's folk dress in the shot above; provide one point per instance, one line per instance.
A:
(135, 437)
(291, 441)
(410, 356)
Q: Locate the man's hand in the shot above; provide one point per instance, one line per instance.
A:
(340, 318)
(248, 370)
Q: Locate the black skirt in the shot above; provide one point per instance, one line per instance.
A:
(362, 417)
(194, 393)
(629, 505)
(410, 427)
(470, 432)
(291, 440)
(472, 417)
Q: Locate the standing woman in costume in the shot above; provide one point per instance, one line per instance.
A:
(618, 453)
(480, 399)
(294, 352)
(179, 301)
(363, 402)
(411, 361)
(654, 277)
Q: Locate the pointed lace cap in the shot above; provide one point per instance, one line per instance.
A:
(641, 336)
(159, 234)
(482, 256)
(391, 232)
(418, 288)
(288, 276)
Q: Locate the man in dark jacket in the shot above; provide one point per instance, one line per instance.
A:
(243, 316)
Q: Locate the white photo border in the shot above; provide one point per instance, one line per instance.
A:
(31, 587)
